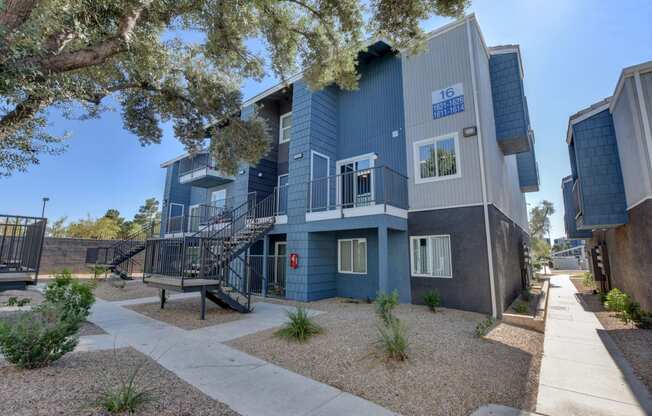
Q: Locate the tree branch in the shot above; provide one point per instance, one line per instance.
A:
(15, 13)
(23, 111)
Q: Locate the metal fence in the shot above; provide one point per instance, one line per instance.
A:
(360, 188)
(276, 271)
(21, 243)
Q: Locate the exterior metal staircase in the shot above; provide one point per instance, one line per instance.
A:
(119, 258)
(213, 260)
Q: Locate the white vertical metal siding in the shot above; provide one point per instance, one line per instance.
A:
(444, 63)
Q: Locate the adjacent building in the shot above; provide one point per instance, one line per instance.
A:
(608, 196)
(413, 182)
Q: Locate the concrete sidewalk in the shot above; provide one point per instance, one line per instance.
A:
(250, 386)
(582, 370)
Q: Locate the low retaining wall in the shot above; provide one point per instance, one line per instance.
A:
(70, 253)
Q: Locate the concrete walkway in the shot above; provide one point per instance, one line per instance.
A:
(250, 386)
(582, 370)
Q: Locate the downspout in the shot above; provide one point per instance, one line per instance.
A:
(483, 177)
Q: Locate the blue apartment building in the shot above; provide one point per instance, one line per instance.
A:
(608, 196)
(413, 182)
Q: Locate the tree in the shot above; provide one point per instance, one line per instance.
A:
(539, 227)
(148, 213)
(74, 54)
(57, 228)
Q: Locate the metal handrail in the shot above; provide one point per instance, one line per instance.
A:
(363, 187)
(21, 243)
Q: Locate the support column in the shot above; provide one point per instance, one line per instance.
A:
(383, 260)
(265, 265)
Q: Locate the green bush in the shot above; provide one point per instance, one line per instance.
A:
(521, 308)
(14, 301)
(127, 395)
(75, 297)
(588, 280)
(385, 304)
(36, 338)
(482, 328)
(98, 270)
(432, 300)
(392, 339)
(299, 327)
(616, 301)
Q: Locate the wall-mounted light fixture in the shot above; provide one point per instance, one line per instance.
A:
(241, 172)
(470, 131)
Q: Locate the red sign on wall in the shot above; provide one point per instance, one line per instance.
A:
(294, 260)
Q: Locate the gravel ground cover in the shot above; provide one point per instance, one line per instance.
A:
(114, 289)
(72, 385)
(184, 313)
(34, 296)
(633, 342)
(449, 371)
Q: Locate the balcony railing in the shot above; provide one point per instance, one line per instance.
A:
(198, 217)
(202, 170)
(362, 188)
(21, 243)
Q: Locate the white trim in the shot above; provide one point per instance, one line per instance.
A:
(372, 209)
(485, 204)
(338, 176)
(339, 256)
(582, 115)
(505, 49)
(183, 156)
(646, 121)
(433, 140)
(273, 89)
(278, 188)
(642, 68)
(190, 207)
(447, 28)
(183, 210)
(281, 219)
(431, 258)
(635, 204)
(397, 212)
(281, 128)
(323, 215)
(328, 171)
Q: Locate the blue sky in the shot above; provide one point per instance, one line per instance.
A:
(573, 52)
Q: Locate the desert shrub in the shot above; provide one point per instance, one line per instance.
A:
(300, 326)
(432, 299)
(126, 396)
(521, 307)
(75, 297)
(482, 328)
(98, 270)
(385, 304)
(36, 338)
(588, 280)
(392, 339)
(14, 301)
(616, 301)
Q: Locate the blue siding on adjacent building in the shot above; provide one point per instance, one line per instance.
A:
(510, 108)
(367, 116)
(570, 212)
(528, 170)
(595, 151)
(175, 192)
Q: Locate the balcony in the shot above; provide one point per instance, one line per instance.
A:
(199, 217)
(200, 170)
(378, 190)
(572, 208)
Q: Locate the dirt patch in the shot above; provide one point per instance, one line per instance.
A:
(35, 298)
(578, 282)
(633, 342)
(184, 313)
(89, 328)
(117, 289)
(72, 385)
(449, 371)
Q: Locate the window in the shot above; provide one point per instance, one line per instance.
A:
(218, 198)
(352, 256)
(431, 256)
(285, 128)
(437, 158)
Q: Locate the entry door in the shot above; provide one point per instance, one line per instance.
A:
(319, 189)
(280, 253)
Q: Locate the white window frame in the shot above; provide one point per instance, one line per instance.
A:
(413, 269)
(278, 190)
(339, 256)
(281, 128)
(183, 211)
(433, 140)
(190, 208)
(367, 156)
(314, 153)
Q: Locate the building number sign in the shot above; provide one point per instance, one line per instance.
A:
(448, 101)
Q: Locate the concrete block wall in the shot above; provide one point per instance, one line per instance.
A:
(70, 253)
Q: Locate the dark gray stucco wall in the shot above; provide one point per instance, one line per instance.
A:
(469, 287)
(629, 247)
(70, 253)
(506, 240)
